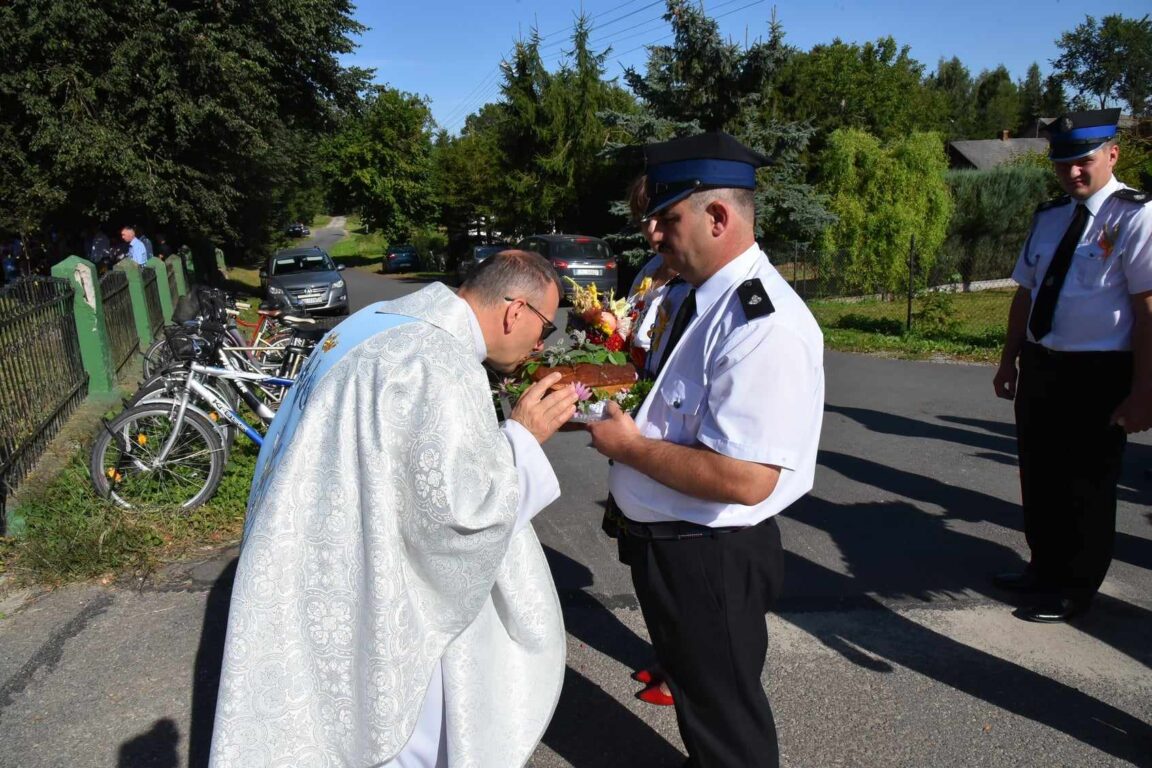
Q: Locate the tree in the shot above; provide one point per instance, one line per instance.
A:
(468, 175)
(952, 83)
(884, 195)
(1109, 62)
(991, 217)
(997, 103)
(380, 164)
(700, 78)
(701, 83)
(1031, 90)
(875, 87)
(180, 116)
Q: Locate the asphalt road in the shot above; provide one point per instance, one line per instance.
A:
(889, 647)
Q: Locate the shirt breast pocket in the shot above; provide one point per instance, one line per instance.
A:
(1091, 266)
(684, 404)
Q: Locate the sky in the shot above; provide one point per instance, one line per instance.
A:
(449, 51)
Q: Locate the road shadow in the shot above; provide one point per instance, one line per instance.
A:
(589, 620)
(894, 550)
(206, 673)
(155, 748)
(590, 727)
(903, 426)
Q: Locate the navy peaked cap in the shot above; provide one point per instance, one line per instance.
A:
(1079, 134)
(679, 167)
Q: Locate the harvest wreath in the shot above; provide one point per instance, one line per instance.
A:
(592, 357)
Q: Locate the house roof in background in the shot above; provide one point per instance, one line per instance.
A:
(983, 154)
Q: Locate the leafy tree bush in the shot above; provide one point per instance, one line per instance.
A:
(991, 217)
(884, 195)
(181, 115)
(380, 164)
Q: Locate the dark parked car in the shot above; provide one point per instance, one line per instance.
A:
(586, 260)
(402, 258)
(476, 256)
(307, 278)
(297, 230)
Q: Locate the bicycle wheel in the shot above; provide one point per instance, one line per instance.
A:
(157, 357)
(225, 429)
(124, 465)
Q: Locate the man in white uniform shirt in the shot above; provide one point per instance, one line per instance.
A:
(725, 441)
(1081, 327)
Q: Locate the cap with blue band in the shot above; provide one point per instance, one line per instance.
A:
(679, 167)
(1079, 134)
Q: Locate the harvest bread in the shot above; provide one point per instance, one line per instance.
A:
(608, 378)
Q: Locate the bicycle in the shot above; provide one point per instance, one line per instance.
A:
(168, 451)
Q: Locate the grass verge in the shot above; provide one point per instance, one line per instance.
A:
(71, 534)
(359, 248)
(962, 326)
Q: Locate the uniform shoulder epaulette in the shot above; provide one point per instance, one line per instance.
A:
(1053, 203)
(754, 299)
(1138, 196)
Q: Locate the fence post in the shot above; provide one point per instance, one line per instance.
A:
(91, 329)
(178, 270)
(162, 287)
(139, 306)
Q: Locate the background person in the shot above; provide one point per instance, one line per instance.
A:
(725, 441)
(392, 603)
(651, 283)
(136, 250)
(1081, 328)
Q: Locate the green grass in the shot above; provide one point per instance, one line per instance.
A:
(72, 534)
(964, 326)
(359, 248)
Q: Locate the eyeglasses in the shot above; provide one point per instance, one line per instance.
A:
(547, 329)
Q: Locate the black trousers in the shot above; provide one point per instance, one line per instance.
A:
(1070, 461)
(704, 600)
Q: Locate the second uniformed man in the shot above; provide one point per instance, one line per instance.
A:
(1080, 328)
(725, 441)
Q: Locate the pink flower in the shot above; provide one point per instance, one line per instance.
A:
(582, 392)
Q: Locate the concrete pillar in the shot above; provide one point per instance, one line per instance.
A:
(139, 305)
(181, 280)
(162, 287)
(91, 329)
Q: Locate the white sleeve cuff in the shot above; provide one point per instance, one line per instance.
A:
(538, 484)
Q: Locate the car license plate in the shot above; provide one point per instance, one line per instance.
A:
(586, 272)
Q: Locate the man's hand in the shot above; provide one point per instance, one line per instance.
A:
(1005, 381)
(1135, 413)
(542, 412)
(615, 433)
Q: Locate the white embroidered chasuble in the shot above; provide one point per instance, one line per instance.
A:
(386, 546)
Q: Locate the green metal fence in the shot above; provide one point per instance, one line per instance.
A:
(118, 317)
(42, 377)
(170, 271)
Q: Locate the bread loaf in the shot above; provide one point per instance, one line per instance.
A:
(609, 378)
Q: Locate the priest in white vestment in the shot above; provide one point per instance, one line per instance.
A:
(392, 604)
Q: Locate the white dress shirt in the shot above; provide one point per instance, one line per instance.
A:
(750, 389)
(1112, 261)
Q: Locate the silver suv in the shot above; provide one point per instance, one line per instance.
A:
(306, 278)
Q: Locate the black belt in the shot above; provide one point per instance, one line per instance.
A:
(672, 530)
(1100, 355)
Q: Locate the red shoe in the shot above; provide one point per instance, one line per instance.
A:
(646, 676)
(653, 695)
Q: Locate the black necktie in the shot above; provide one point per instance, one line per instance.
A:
(1044, 307)
(679, 323)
